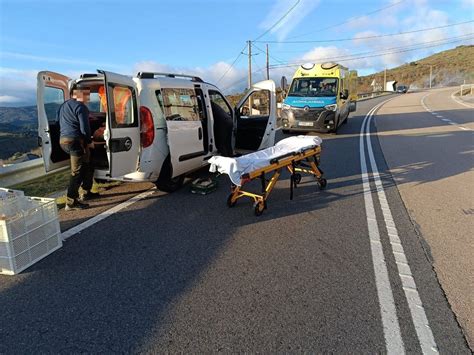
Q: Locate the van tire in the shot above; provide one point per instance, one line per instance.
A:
(165, 182)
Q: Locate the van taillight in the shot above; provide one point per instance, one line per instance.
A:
(147, 128)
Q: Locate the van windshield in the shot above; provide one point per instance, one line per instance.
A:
(322, 87)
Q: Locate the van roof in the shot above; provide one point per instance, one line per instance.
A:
(153, 75)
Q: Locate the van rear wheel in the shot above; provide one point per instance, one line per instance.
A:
(167, 183)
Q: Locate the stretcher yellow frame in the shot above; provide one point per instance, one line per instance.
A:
(306, 162)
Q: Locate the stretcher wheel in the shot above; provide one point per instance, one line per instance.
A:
(259, 208)
(297, 178)
(322, 183)
(229, 201)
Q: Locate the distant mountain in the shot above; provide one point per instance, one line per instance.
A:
(18, 130)
(18, 119)
(449, 68)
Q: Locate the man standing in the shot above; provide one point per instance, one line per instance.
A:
(76, 140)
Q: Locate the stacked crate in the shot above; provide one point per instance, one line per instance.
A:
(29, 230)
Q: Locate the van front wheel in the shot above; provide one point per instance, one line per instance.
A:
(167, 183)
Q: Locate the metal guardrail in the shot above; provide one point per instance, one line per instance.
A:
(467, 89)
(14, 174)
(371, 95)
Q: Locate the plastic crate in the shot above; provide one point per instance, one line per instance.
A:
(10, 202)
(29, 236)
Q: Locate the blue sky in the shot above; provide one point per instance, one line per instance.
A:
(205, 37)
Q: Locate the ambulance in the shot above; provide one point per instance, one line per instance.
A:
(155, 127)
(320, 98)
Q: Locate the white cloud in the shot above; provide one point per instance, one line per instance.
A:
(290, 21)
(212, 74)
(469, 4)
(4, 99)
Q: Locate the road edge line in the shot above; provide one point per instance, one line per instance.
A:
(388, 313)
(79, 228)
(418, 314)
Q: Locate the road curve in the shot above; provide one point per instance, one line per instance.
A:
(324, 272)
(427, 140)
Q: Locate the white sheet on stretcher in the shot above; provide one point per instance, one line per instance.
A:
(236, 167)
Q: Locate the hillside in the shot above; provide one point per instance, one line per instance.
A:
(18, 130)
(18, 119)
(450, 68)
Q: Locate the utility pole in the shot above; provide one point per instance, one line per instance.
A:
(250, 63)
(268, 67)
(384, 79)
(431, 74)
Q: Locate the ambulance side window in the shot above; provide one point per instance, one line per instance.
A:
(53, 98)
(124, 108)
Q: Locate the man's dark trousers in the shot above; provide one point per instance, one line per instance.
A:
(82, 172)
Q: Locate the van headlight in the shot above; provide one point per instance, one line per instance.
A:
(285, 107)
(332, 107)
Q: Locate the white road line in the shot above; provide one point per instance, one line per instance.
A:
(391, 328)
(459, 101)
(79, 228)
(420, 321)
(439, 116)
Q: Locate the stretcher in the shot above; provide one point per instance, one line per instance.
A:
(298, 154)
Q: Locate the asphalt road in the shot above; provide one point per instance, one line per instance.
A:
(427, 139)
(183, 272)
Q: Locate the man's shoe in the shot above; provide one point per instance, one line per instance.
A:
(76, 206)
(89, 196)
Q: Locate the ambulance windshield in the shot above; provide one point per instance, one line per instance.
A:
(310, 87)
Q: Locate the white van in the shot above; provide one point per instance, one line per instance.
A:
(156, 126)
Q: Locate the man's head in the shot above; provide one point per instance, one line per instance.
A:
(81, 95)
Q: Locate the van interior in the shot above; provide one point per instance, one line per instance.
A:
(252, 119)
(97, 118)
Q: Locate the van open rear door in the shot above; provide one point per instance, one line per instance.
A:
(256, 117)
(122, 126)
(52, 90)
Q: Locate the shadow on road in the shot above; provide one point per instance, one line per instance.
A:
(113, 288)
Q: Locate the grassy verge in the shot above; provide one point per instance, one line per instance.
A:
(54, 183)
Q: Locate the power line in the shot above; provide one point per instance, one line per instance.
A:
(275, 59)
(372, 37)
(231, 66)
(350, 19)
(276, 23)
(376, 55)
(385, 49)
